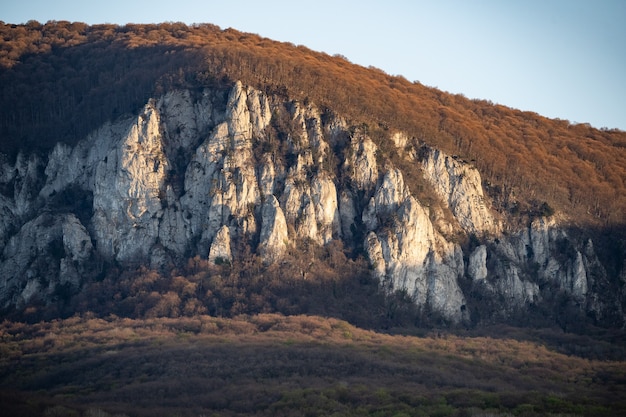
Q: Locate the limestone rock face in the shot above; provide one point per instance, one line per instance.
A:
(477, 265)
(539, 263)
(408, 254)
(325, 205)
(274, 236)
(221, 186)
(7, 219)
(538, 245)
(25, 178)
(188, 118)
(174, 226)
(386, 200)
(47, 253)
(348, 215)
(361, 163)
(460, 187)
(220, 247)
(128, 183)
(207, 172)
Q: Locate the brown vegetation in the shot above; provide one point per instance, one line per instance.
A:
(50, 71)
(270, 364)
(310, 280)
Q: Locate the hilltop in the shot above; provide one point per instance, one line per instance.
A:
(61, 80)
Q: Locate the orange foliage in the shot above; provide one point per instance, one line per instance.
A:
(524, 157)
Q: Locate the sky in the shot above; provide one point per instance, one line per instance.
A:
(562, 59)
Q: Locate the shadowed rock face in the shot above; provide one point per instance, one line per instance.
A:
(203, 173)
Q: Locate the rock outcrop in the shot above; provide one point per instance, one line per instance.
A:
(202, 173)
(220, 251)
(460, 187)
(274, 236)
(48, 254)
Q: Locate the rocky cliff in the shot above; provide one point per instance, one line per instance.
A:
(205, 173)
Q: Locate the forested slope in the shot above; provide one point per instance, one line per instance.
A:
(270, 365)
(61, 80)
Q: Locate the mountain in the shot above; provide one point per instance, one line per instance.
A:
(167, 170)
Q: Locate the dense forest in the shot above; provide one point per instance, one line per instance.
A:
(272, 365)
(48, 72)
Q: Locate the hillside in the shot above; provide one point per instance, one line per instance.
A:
(61, 80)
(132, 152)
(197, 221)
(336, 146)
(270, 365)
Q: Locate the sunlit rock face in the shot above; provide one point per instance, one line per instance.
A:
(460, 186)
(274, 236)
(408, 254)
(208, 172)
(220, 251)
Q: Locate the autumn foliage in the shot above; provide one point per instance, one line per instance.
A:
(272, 365)
(60, 80)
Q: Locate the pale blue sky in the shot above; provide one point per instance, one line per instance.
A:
(559, 58)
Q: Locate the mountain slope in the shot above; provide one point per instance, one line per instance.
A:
(146, 146)
(66, 67)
